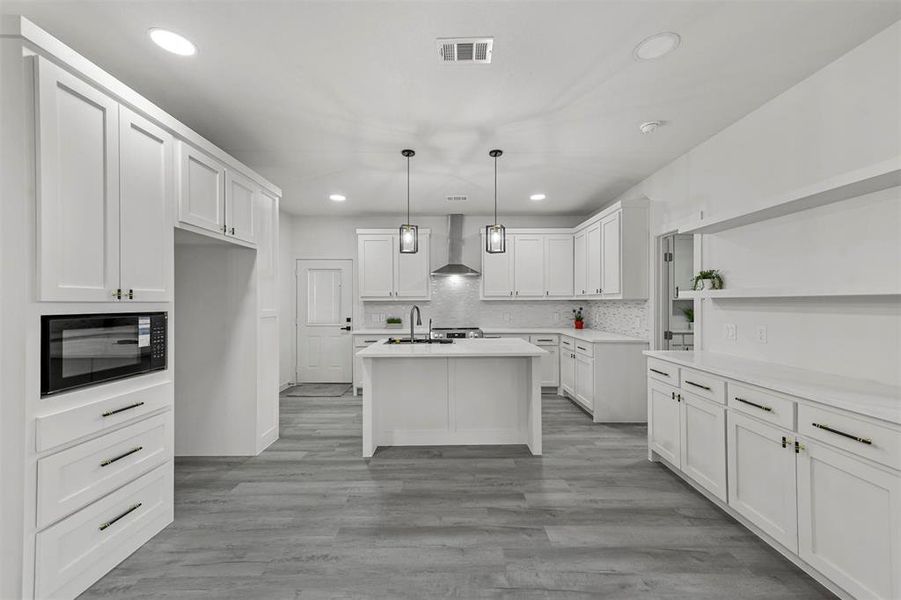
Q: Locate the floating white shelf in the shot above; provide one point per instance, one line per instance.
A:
(791, 292)
(848, 185)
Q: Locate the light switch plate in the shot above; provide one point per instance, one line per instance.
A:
(730, 332)
(761, 334)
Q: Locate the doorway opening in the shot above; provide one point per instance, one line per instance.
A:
(324, 321)
(676, 330)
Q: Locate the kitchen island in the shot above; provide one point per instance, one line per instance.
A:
(473, 391)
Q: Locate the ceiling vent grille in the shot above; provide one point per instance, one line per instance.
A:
(465, 50)
(458, 198)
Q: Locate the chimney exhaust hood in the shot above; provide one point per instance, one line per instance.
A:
(455, 264)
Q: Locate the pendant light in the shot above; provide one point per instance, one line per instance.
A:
(495, 235)
(409, 234)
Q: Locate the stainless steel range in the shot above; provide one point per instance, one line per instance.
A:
(456, 333)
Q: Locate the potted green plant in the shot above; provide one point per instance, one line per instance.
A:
(393, 322)
(578, 320)
(708, 280)
(690, 315)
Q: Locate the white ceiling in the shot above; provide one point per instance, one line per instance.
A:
(320, 97)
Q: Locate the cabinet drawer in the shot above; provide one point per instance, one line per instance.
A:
(663, 371)
(77, 476)
(544, 340)
(80, 549)
(97, 417)
(864, 438)
(365, 342)
(703, 384)
(584, 348)
(567, 343)
(762, 404)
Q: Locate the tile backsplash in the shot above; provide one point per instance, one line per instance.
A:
(455, 302)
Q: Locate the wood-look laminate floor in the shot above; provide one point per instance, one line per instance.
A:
(310, 519)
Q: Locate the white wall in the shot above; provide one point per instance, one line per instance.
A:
(843, 117)
(286, 299)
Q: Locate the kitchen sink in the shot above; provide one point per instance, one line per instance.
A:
(417, 341)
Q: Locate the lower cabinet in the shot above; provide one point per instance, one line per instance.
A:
(584, 381)
(550, 366)
(762, 477)
(567, 369)
(702, 443)
(664, 429)
(849, 521)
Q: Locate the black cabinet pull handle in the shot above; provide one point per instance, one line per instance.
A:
(110, 461)
(697, 385)
(660, 372)
(127, 512)
(110, 413)
(866, 441)
(754, 404)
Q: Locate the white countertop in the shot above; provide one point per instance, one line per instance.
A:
(459, 349)
(861, 396)
(586, 335)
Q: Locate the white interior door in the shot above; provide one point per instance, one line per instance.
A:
(324, 309)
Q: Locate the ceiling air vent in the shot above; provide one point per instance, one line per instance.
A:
(457, 198)
(465, 50)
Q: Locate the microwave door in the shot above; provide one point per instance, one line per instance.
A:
(99, 351)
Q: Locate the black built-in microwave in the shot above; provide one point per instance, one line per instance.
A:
(82, 350)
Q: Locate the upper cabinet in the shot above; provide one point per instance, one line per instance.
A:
(386, 274)
(611, 253)
(528, 265)
(104, 189)
(213, 197)
(558, 265)
(535, 265)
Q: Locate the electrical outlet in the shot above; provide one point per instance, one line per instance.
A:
(556, 317)
(507, 317)
(761, 334)
(730, 332)
(636, 323)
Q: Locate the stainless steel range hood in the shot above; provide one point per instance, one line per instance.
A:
(455, 264)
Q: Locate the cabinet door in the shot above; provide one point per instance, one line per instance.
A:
(497, 273)
(580, 264)
(550, 367)
(611, 240)
(593, 261)
(528, 266)
(414, 270)
(703, 443)
(849, 521)
(240, 196)
(201, 189)
(376, 265)
(585, 381)
(664, 430)
(77, 188)
(761, 477)
(266, 222)
(558, 265)
(568, 371)
(146, 192)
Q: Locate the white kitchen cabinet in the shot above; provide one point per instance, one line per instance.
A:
(702, 443)
(497, 273)
(664, 422)
(77, 150)
(385, 274)
(567, 366)
(240, 193)
(147, 190)
(528, 265)
(558, 266)
(550, 362)
(593, 263)
(580, 263)
(584, 381)
(611, 249)
(849, 521)
(201, 189)
(267, 252)
(762, 478)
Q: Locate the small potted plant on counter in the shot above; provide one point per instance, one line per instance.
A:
(393, 322)
(708, 280)
(690, 315)
(578, 319)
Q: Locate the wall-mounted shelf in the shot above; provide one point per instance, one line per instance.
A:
(848, 185)
(792, 292)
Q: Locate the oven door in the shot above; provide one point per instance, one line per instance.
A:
(79, 350)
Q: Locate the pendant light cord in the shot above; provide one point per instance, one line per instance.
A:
(408, 190)
(495, 190)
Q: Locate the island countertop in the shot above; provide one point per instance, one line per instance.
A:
(463, 348)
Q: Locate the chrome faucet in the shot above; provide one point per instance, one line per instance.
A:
(418, 321)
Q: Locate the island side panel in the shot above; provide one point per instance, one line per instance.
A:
(489, 400)
(368, 446)
(534, 406)
(409, 401)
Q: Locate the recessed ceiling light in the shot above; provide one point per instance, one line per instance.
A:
(657, 45)
(650, 126)
(171, 41)
(537, 197)
(337, 198)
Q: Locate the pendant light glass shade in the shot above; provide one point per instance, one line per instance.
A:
(408, 235)
(495, 235)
